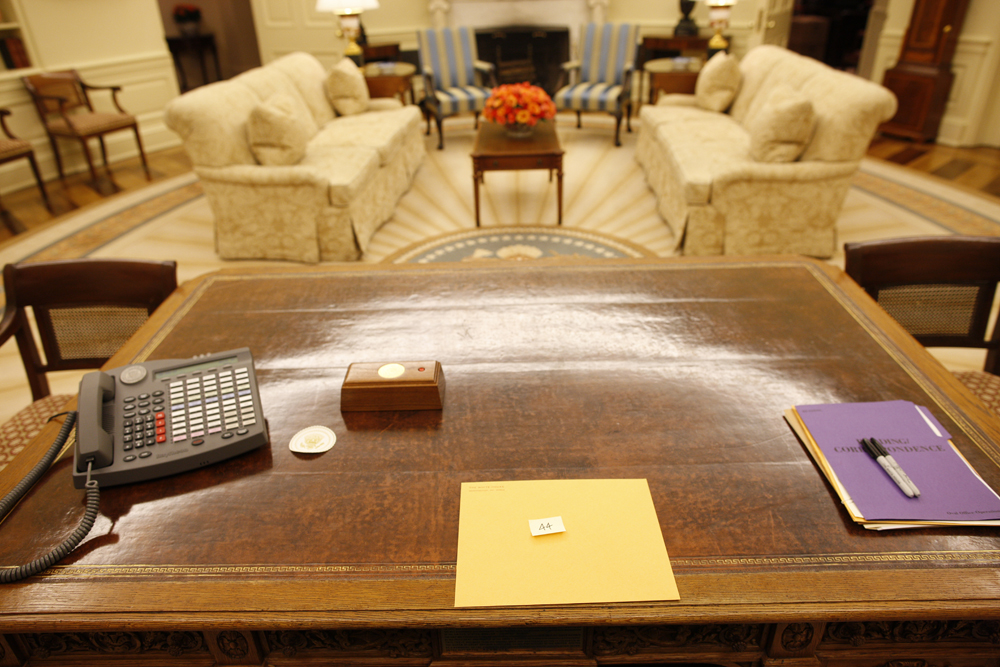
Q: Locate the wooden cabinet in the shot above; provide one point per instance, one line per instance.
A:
(922, 78)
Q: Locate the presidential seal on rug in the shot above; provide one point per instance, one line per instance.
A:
(517, 244)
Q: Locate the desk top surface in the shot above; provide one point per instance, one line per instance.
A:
(676, 371)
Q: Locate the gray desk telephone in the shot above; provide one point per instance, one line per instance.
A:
(158, 418)
(145, 421)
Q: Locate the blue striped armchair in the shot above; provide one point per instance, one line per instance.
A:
(601, 80)
(453, 75)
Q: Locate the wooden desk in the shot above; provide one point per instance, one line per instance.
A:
(495, 151)
(676, 371)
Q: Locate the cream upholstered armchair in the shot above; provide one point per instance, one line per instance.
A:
(455, 80)
(760, 158)
(601, 79)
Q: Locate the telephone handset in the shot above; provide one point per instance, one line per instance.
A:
(158, 418)
(145, 421)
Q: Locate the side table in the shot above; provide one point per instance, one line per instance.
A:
(390, 79)
(671, 75)
(495, 151)
(198, 45)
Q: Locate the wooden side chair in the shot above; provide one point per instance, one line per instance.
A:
(941, 290)
(63, 103)
(454, 77)
(84, 311)
(13, 148)
(601, 79)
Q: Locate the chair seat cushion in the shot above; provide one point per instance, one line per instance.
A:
(11, 148)
(984, 385)
(91, 123)
(589, 96)
(26, 424)
(461, 99)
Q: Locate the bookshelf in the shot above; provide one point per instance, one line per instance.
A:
(14, 49)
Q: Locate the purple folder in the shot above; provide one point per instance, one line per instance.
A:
(949, 490)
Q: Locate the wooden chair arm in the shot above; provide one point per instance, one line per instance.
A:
(3, 123)
(114, 93)
(488, 69)
(566, 70)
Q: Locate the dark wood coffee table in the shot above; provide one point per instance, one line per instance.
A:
(495, 151)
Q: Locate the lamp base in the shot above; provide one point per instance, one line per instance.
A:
(718, 42)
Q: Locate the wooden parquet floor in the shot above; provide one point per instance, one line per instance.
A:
(972, 169)
(79, 192)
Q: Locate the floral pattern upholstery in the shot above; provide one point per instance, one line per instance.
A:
(717, 199)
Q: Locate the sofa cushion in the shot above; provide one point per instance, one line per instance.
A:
(347, 169)
(848, 108)
(346, 88)
(308, 75)
(382, 130)
(718, 82)
(701, 150)
(781, 129)
(279, 128)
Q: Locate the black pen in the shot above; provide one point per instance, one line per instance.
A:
(892, 462)
(874, 452)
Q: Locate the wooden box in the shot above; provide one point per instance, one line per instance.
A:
(403, 385)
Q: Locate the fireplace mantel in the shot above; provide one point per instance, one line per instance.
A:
(497, 13)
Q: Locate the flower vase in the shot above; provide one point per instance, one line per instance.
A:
(519, 130)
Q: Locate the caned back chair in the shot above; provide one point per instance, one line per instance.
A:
(941, 290)
(63, 103)
(601, 78)
(83, 311)
(455, 80)
(14, 148)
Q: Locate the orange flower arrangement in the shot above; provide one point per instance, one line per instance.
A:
(518, 104)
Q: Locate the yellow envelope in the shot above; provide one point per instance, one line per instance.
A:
(611, 551)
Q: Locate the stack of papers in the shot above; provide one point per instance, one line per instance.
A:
(951, 492)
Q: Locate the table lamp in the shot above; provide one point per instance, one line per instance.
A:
(718, 18)
(350, 18)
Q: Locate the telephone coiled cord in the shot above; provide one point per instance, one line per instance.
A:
(8, 576)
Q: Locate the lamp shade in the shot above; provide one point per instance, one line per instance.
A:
(345, 6)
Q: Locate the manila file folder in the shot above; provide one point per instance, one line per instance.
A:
(611, 550)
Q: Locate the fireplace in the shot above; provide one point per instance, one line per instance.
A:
(525, 53)
(481, 14)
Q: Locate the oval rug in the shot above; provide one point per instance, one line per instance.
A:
(517, 243)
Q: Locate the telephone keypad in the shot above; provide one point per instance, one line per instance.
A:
(217, 403)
